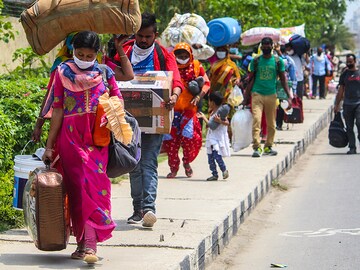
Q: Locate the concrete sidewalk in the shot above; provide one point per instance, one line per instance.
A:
(195, 218)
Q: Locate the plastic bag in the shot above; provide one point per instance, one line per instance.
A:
(241, 126)
(256, 34)
(236, 97)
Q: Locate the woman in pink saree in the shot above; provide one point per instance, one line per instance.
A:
(78, 84)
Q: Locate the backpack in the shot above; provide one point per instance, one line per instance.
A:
(124, 158)
(337, 132)
(161, 56)
(300, 44)
(280, 92)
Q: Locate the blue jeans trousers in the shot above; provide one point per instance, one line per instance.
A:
(144, 178)
(214, 156)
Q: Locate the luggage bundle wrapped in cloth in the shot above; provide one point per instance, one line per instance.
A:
(46, 210)
(48, 22)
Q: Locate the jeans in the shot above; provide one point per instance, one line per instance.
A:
(321, 80)
(300, 89)
(211, 159)
(352, 113)
(280, 113)
(144, 178)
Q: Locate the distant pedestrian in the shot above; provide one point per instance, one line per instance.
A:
(263, 74)
(320, 67)
(350, 90)
(290, 71)
(217, 140)
(300, 65)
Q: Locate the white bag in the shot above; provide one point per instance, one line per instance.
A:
(190, 28)
(241, 126)
(236, 97)
(256, 34)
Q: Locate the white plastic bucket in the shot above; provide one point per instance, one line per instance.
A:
(24, 164)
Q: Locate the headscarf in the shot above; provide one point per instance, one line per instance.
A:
(220, 75)
(65, 53)
(186, 47)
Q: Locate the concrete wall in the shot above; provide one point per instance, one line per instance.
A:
(7, 49)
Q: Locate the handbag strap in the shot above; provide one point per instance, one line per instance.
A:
(337, 118)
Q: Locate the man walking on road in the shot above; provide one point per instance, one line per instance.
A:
(320, 66)
(146, 55)
(300, 64)
(264, 71)
(350, 90)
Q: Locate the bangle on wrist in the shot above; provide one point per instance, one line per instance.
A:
(174, 94)
(49, 149)
(123, 56)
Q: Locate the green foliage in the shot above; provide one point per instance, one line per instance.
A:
(9, 217)
(6, 29)
(320, 16)
(28, 59)
(7, 141)
(20, 100)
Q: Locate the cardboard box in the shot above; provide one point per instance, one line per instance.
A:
(145, 97)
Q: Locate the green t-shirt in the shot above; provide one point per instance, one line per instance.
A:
(266, 74)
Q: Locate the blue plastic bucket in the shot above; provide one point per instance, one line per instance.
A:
(24, 164)
(223, 31)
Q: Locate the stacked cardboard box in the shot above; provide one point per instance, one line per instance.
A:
(145, 97)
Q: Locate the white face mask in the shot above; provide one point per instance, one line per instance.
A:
(291, 52)
(83, 64)
(221, 55)
(182, 61)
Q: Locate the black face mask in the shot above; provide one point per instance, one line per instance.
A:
(266, 51)
(350, 66)
(319, 53)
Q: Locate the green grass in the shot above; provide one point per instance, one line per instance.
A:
(276, 184)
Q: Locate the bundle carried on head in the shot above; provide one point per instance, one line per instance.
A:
(47, 23)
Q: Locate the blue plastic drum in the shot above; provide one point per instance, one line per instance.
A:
(223, 31)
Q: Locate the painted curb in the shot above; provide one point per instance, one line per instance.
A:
(211, 245)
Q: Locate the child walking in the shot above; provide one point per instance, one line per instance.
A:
(217, 139)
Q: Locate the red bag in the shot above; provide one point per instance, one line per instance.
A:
(297, 115)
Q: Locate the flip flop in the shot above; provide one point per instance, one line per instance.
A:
(188, 170)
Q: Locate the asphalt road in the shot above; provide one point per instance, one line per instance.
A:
(314, 224)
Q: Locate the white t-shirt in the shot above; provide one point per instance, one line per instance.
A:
(299, 64)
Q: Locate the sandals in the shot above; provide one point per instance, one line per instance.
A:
(78, 254)
(188, 170)
(90, 256)
(171, 175)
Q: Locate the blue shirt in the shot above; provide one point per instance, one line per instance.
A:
(145, 65)
(290, 70)
(318, 65)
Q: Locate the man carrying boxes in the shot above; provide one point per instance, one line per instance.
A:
(146, 57)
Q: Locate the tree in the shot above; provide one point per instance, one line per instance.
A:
(338, 36)
(6, 30)
(318, 15)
